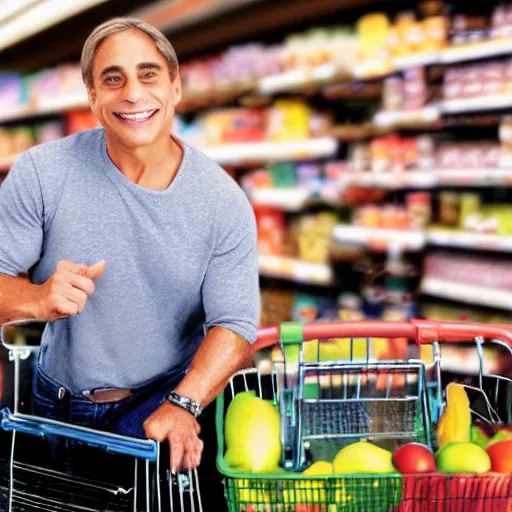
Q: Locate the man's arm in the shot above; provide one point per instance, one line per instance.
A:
(18, 298)
(220, 355)
(63, 295)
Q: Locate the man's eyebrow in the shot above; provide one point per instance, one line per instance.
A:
(148, 65)
(111, 69)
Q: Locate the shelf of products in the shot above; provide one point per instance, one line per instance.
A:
(481, 103)
(469, 240)
(287, 199)
(7, 161)
(47, 106)
(469, 294)
(27, 21)
(400, 118)
(379, 239)
(232, 154)
(484, 49)
(287, 105)
(434, 178)
(295, 270)
(297, 79)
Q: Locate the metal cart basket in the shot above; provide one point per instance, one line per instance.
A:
(31, 487)
(327, 404)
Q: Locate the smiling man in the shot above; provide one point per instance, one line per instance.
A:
(141, 254)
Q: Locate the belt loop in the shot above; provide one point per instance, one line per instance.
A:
(61, 394)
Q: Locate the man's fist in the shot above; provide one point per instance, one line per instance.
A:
(68, 289)
(177, 426)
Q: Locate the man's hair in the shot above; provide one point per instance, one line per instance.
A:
(114, 26)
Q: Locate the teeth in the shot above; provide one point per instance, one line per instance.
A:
(137, 116)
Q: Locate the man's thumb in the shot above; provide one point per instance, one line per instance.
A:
(97, 270)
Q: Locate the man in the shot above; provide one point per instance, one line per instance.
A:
(136, 244)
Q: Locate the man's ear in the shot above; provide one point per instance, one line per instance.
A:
(177, 89)
(91, 94)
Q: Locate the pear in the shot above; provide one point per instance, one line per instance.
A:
(363, 457)
(479, 437)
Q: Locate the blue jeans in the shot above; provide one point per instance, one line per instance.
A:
(51, 400)
(126, 417)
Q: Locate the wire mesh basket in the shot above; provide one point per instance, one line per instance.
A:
(327, 405)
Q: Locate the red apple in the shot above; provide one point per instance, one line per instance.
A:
(414, 458)
(500, 453)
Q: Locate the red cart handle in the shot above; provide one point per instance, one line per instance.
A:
(423, 332)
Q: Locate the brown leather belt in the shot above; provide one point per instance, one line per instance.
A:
(106, 396)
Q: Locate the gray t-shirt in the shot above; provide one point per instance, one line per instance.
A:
(178, 260)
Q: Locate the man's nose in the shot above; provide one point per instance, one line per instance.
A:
(133, 91)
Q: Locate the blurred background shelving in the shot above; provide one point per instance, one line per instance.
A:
(374, 139)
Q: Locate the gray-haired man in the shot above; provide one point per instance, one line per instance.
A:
(134, 243)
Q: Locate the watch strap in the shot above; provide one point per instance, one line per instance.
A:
(185, 402)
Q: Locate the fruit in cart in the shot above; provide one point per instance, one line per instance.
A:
(414, 458)
(479, 437)
(252, 491)
(500, 453)
(363, 457)
(319, 468)
(253, 434)
(462, 457)
(455, 422)
(301, 491)
(503, 434)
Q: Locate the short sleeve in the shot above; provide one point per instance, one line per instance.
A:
(230, 292)
(21, 218)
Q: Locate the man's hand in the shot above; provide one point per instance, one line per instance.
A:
(181, 430)
(68, 289)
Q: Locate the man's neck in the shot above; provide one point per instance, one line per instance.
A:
(153, 166)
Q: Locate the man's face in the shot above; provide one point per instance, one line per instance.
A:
(133, 95)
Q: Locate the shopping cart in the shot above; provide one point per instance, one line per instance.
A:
(327, 404)
(42, 488)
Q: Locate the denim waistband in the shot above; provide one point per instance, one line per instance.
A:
(51, 387)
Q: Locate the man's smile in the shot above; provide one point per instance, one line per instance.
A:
(136, 116)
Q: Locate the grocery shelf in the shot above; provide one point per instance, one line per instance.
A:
(295, 270)
(298, 78)
(38, 17)
(480, 103)
(232, 154)
(465, 360)
(390, 180)
(294, 199)
(481, 50)
(7, 161)
(469, 240)
(415, 60)
(427, 115)
(288, 199)
(432, 178)
(379, 239)
(48, 106)
(469, 294)
(481, 177)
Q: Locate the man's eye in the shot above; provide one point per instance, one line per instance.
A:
(149, 75)
(112, 80)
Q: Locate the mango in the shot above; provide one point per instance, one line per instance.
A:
(363, 457)
(253, 434)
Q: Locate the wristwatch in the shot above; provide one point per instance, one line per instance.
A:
(186, 403)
